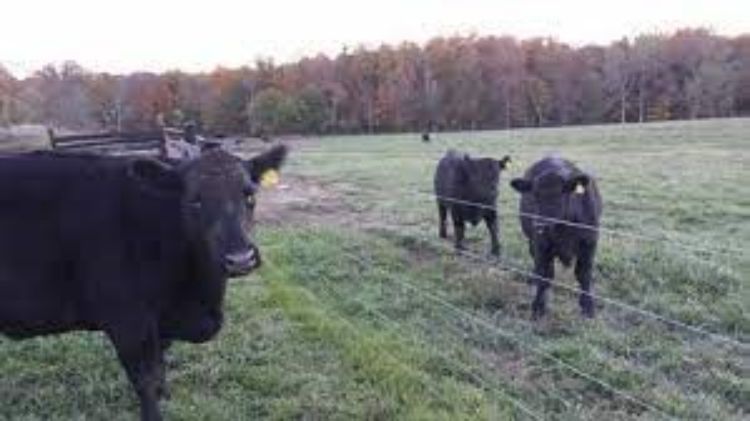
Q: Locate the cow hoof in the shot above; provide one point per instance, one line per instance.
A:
(587, 306)
(163, 393)
(537, 311)
(588, 313)
(537, 315)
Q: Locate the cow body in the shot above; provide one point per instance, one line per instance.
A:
(560, 209)
(65, 222)
(468, 189)
(120, 246)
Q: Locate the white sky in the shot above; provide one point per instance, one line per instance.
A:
(127, 35)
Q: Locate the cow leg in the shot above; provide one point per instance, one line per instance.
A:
(544, 272)
(443, 214)
(584, 266)
(490, 218)
(163, 389)
(458, 228)
(139, 352)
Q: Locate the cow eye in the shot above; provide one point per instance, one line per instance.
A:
(250, 201)
(195, 203)
(250, 189)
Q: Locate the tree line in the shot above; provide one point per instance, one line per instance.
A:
(449, 83)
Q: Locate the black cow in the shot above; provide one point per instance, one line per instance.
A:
(564, 199)
(468, 188)
(133, 248)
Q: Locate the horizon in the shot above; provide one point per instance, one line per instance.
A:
(194, 40)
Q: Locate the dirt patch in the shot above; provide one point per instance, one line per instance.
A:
(298, 200)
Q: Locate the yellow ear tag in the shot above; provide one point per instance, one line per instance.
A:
(269, 178)
(580, 189)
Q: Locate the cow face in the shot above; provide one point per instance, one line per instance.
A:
(481, 176)
(219, 199)
(550, 193)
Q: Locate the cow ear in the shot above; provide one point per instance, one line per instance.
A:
(503, 163)
(577, 183)
(267, 161)
(521, 185)
(155, 175)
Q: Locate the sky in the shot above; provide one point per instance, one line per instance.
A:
(158, 35)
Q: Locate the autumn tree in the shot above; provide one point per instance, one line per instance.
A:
(7, 88)
(618, 77)
(740, 61)
(449, 83)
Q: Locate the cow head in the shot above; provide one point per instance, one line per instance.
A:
(550, 192)
(482, 175)
(219, 202)
(217, 198)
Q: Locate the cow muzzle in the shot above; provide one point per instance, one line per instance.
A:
(242, 263)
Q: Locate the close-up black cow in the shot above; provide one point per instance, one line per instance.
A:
(560, 211)
(467, 188)
(131, 247)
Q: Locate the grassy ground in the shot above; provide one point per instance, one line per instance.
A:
(361, 313)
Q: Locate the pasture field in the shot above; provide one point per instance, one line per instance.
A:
(23, 138)
(362, 312)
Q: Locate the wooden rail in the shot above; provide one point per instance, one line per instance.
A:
(115, 142)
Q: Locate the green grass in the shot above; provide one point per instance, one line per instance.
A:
(373, 318)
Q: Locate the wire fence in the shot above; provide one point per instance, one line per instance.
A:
(662, 236)
(513, 267)
(504, 266)
(481, 321)
(444, 302)
(488, 386)
(594, 228)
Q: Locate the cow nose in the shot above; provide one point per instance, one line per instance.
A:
(241, 263)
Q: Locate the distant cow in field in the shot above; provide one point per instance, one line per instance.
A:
(130, 247)
(560, 212)
(467, 188)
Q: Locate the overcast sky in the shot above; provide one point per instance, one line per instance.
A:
(127, 35)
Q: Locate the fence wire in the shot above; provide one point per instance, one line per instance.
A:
(396, 327)
(621, 233)
(504, 266)
(481, 321)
